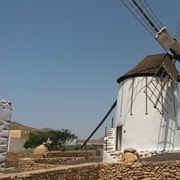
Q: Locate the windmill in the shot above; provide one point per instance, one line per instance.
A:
(147, 104)
(148, 110)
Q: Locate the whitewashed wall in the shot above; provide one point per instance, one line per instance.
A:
(143, 127)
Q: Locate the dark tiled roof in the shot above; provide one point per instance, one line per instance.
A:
(150, 65)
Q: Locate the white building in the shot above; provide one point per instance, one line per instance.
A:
(147, 111)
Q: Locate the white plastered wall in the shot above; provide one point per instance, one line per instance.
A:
(143, 127)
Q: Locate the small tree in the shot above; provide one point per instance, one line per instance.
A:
(54, 139)
(35, 139)
(64, 137)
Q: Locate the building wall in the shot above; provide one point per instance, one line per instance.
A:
(20, 134)
(16, 145)
(143, 127)
(17, 138)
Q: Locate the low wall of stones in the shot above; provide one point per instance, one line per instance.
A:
(29, 164)
(77, 172)
(80, 153)
(104, 171)
(58, 160)
(14, 157)
(143, 170)
(27, 161)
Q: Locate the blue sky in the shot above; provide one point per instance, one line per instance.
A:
(60, 58)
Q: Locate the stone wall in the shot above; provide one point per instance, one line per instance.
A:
(104, 171)
(27, 161)
(78, 172)
(12, 159)
(80, 153)
(29, 164)
(15, 156)
(143, 170)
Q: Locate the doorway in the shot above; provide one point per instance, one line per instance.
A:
(118, 138)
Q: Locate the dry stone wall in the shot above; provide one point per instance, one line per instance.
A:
(12, 156)
(30, 164)
(144, 170)
(28, 161)
(78, 172)
(104, 171)
(80, 153)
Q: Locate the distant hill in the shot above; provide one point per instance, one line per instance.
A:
(18, 126)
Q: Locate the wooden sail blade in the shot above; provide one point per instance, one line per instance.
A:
(177, 33)
(142, 11)
(168, 43)
(144, 14)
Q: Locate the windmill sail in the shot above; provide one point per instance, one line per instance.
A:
(144, 14)
(160, 88)
(177, 33)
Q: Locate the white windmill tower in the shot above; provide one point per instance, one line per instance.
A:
(148, 102)
(148, 107)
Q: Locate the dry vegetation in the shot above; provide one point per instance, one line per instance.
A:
(18, 126)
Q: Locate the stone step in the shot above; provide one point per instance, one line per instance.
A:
(109, 141)
(110, 137)
(108, 144)
(110, 131)
(109, 148)
(109, 134)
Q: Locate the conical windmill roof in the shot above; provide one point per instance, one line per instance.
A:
(151, 65)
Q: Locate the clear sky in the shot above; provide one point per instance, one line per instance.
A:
(60, 59)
